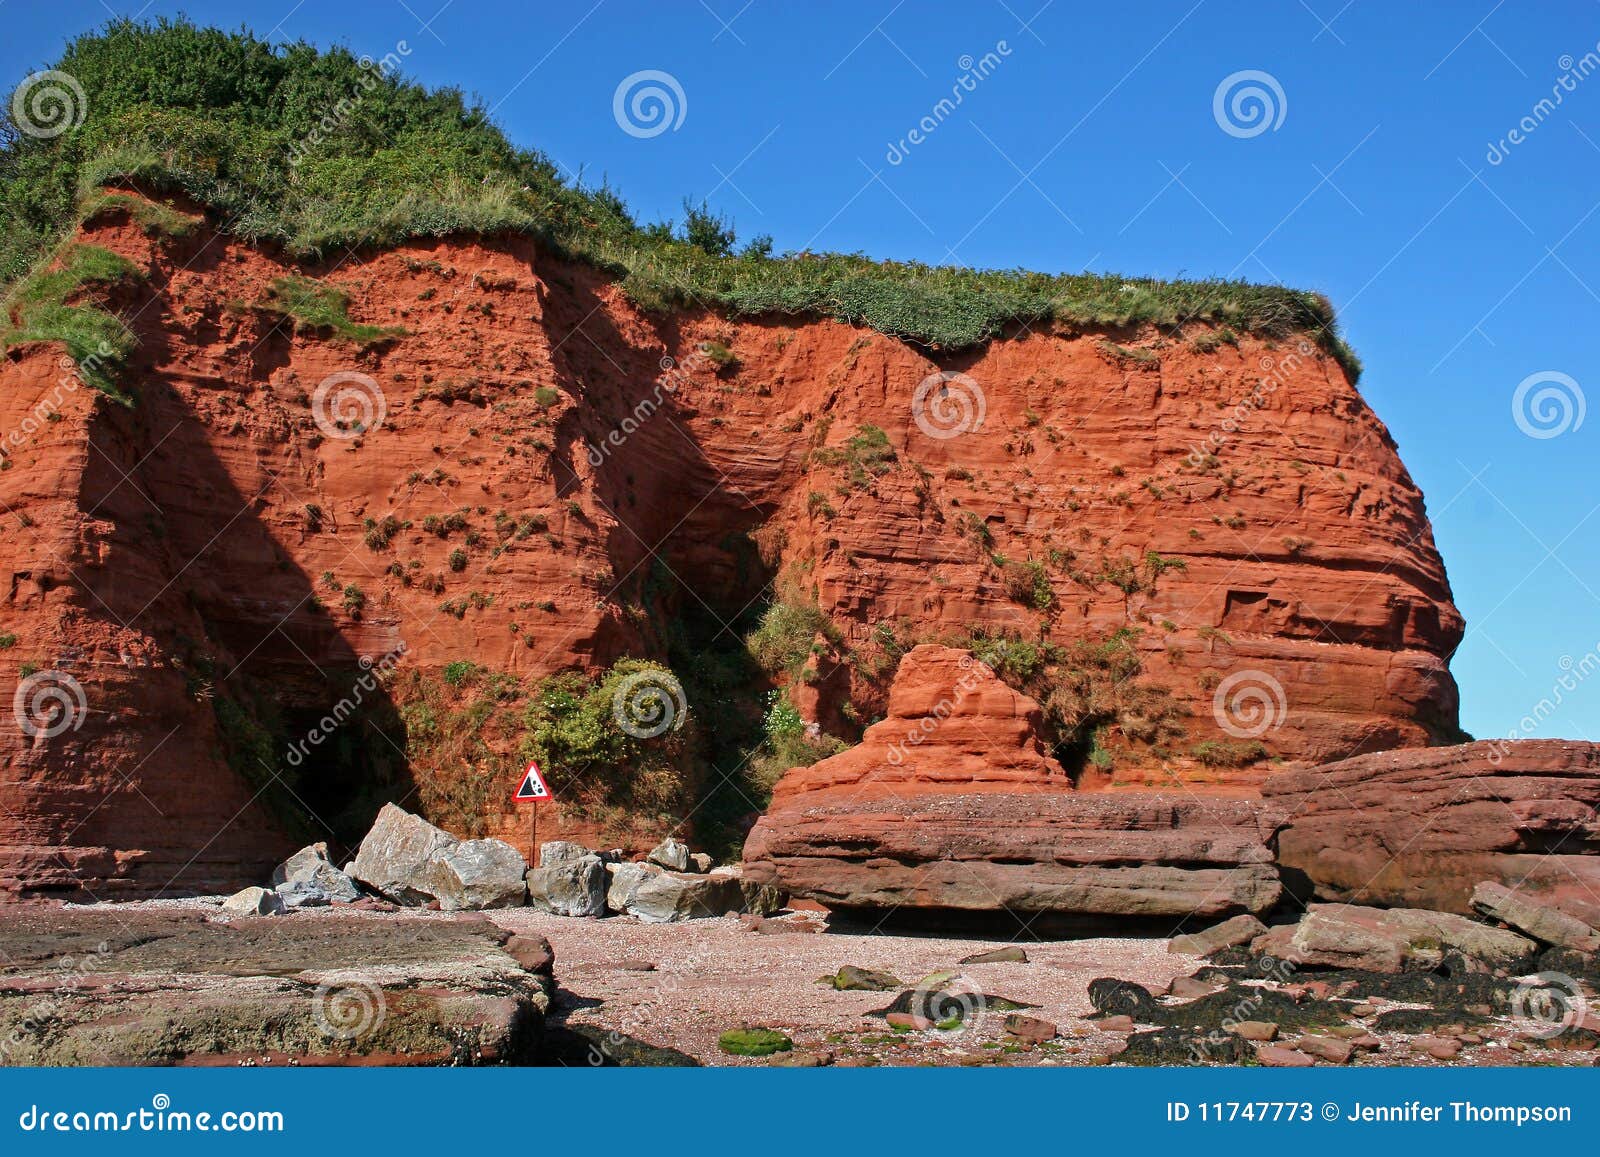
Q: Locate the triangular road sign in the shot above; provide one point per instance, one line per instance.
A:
(532, 786)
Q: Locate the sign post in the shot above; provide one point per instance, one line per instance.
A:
(530, 791)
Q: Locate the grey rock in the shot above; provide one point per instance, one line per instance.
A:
(301, 864)
(656, 896)
(479, 874)
(1540, 921)
(299, 894)
(253, 902)
(409, 861)
(623, 880)
(561, 852)
(760, 898)
(575, 887)
(309, 873)
(397, 855)
(672, 854)
(1228, 934)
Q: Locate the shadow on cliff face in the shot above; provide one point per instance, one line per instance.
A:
(684, 545)
(279, 730)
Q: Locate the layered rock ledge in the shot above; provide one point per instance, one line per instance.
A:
(1422, 828)
(952, 803)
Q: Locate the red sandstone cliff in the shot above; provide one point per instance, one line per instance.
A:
(178, 557)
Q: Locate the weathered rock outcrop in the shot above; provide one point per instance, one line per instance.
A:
(257, 525)
(144, 987)
(1391, 940)
(1421, 829)
(952, 803)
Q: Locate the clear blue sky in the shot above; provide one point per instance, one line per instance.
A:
(1093, 144)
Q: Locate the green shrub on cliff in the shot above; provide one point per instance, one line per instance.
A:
(322, 152)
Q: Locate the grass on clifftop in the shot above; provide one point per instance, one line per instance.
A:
(98, 341)
(320, 152)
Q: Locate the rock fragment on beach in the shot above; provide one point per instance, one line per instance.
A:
(309, 879)
(1390, 940)
(411, 862)
(671, 854)
(569, 881)
(657, 896)
(253, 902)
(1010, 954)
(1230, 933)
(852, 978)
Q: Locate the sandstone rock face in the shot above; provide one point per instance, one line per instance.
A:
(190, 535)
(1422, 828)
(952, 803)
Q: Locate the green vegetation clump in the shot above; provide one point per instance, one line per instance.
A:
(240, 125)
(323, 308)
(754, 1042)
(865, 455)
(98, 341)
(783, 640)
